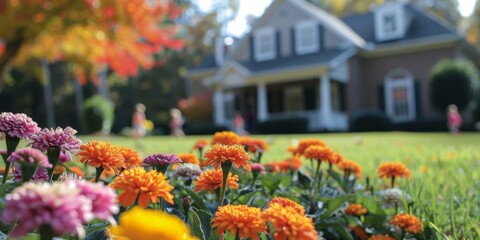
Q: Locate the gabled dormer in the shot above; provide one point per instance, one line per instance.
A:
(391, 21)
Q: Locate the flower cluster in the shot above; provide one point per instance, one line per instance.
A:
(102, 154)
(220, 153)
(212, 179)
(393, 169)
(239, 219)
(187, 172)
(30, 157)
(131, 157)
(226, 138)
(355, 209)
(188, 158)
(287, 223)
(407, 222)
(63, 206)
(160, 160)
(64, 139)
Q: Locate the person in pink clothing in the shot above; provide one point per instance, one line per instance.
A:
(454, 119)
(138, 121)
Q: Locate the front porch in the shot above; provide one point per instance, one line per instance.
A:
(320, 100)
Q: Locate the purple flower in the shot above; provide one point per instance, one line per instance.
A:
(64, 157)
(58, 205)
(30, 157)
(17, 125)
(40, 174)
(52, 138)
(103, 198)
(161, 159)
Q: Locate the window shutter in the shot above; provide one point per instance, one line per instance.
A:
(320, 37)
(252, 48)
(292, 42)
(418, 99)
(277, 42)
(381, 97)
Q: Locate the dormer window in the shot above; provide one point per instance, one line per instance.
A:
(264, 44)
(391, 22)
(306, 37)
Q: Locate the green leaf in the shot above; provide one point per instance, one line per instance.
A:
(245, 199)
(98, 235)
(371, 204)
(304, 179)
(96, 227)
(205, 219)
(337, 177)
(342, 231)
(196, 225)
(271, 183)
(197, 201)
(333, 204)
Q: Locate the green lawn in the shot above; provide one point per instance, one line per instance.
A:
(445, 179)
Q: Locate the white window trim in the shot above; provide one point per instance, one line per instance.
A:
(313, 27)
(264, 56)
(400, 17)
(390, 84)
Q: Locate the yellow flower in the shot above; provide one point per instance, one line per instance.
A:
(147, 224)
(407, 222)
(393, 169)
(102, 154)
(146, 186)
(220, 153)
(287, 202)
(243, 219)
(288, 224)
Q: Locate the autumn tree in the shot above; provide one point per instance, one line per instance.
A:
(91, 34)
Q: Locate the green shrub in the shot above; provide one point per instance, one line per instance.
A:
(369, 120)
(452, 81)
(281, 126)
(98, 114)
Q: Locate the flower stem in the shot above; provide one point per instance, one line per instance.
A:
(98, 173)
(393, 181)
(53, 156)
(226, 166)
(46, 232)
(12, 143)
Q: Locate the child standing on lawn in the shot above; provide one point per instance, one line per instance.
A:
(454, 119)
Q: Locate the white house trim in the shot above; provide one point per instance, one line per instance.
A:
(307, 37)
(218, 102)
(264, 44)
(325, 101)
(399, 79)
(262, 110)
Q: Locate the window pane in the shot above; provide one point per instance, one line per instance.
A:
(293, 100)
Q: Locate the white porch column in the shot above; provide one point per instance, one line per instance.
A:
(262, 102)
(219, 112)
(326, 101)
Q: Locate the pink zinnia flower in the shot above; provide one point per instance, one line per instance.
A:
(40, 174)
(17, 125)
(161, 159)
(103, 198)
(58, 205)
(56, 138)
(64, 157)
(258, 168)
(30, 157)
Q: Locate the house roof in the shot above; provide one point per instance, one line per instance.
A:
(422, 25)
(318, 58)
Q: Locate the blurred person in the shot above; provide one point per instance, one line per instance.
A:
(239, 124)
(176, 123)
(138, 121)
(454, 119)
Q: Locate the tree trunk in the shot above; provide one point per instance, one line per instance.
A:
(12, 47)
(79, 103)
(48, 96)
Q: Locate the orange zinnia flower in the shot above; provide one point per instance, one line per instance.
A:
(212, 179)
(102, 154)
(253, 145)
(226, 137)
(407, 222)
(393, 169)
(200, 144)
(287, 202)
(220, 153)
(304, 144)
(131, 157)
(355, 209)
(292, 149)
(284, 166)
(350, 167)
(243, 219)
(146, 186)
(76, 170)
(288, 224)
(321, 153)
(189, 158)
(59, 170)
(359, 232)
(381, 237)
